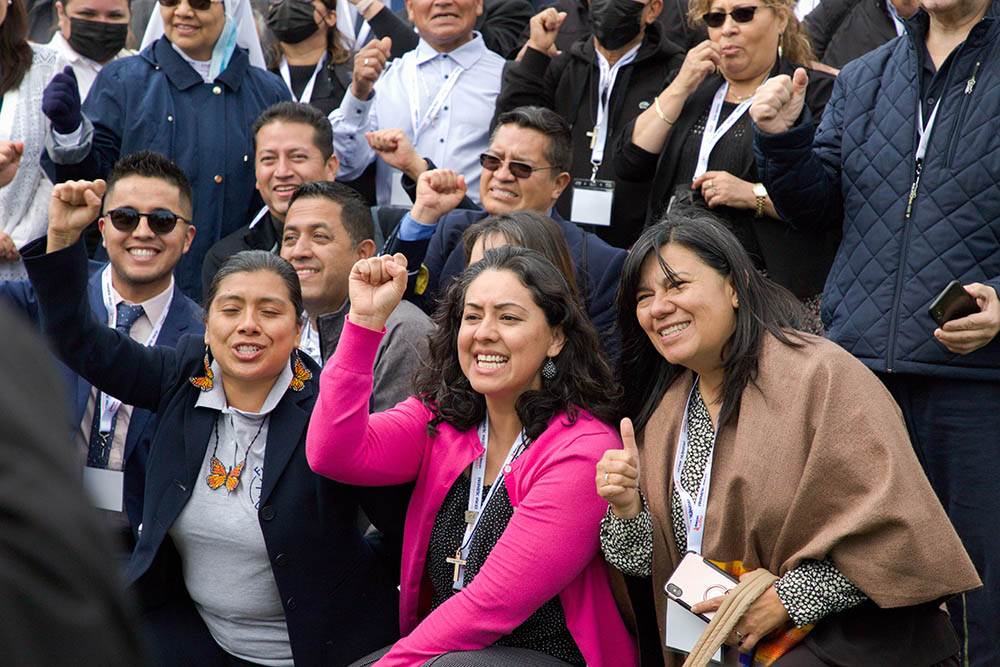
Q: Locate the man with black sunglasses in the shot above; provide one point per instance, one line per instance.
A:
(146, 229)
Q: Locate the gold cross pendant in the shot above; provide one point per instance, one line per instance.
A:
(457, 561)
(593, 137)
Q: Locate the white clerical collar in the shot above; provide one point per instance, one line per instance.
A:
(215, 398)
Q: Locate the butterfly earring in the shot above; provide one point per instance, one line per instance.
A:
(300, 374)
(205, 381)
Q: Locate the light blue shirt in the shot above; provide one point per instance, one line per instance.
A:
(457, 134)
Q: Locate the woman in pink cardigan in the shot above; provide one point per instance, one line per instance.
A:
(510, 417)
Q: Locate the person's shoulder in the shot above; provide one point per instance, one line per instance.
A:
(409, 319)
(873, 63)
(809, 359)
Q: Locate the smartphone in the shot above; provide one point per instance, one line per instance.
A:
(954, 302)
(697, 579)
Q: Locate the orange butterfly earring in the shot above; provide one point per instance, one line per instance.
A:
(300, 374)
(205, 381)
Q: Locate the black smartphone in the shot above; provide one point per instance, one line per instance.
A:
(954, 302)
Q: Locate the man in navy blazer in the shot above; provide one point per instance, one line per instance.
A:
(140, 272)
(532, 141)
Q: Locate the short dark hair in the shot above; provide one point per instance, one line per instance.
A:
(355, 214)
(526, 229)
(150, 164)
(15, 54)
(559, 152)
(296, 112)
(583, 377)
(764, 307)
(252, 261)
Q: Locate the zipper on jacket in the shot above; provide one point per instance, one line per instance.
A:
(956, 129)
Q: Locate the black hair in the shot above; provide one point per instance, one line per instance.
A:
(296, 112)
(559, 152)
(150, 164)
(15, 54)
(355, 214)
(252, 261)
(583, 379)
(764, 308)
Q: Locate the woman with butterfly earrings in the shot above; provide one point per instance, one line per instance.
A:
(244, 556)
(501, 563)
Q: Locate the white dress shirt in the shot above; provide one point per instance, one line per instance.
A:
(455, 136)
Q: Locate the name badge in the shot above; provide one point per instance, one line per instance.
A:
(104, 487)
(592, 202)
(398, 196)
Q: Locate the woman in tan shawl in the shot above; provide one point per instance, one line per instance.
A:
(804, 455)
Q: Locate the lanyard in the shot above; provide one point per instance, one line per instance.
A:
(411, 75)
(693, 506)
(257, 218)
(307, 92)
(925, 130)
(476, 500)
(712, 135)
(109, 406)
(605, 87)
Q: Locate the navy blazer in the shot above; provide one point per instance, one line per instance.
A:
(183, 317)
(339, 602)
(598, 267)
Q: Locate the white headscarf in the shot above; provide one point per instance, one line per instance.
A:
(240, 30)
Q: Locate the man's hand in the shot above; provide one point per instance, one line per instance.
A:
(8, 251)
(438, 192)
(544, 28)
(397, 151)
(10, 160)
(61, 102)
(368, 66)
(778, 103)
(74, 205)
(968, 334)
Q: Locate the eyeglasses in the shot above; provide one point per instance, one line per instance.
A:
(197, 5)
(161, 221)
(740, 15)
(518, 169)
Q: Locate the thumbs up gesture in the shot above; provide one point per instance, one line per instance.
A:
(778, 103)
(618, 475)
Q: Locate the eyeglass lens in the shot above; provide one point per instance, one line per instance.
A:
(518, 169)
(126, 219)
(740, 15)
(200, 5)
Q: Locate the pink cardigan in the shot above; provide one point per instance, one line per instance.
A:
(550, 546)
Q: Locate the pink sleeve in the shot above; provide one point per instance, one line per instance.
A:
(551, 538)
(343, 442)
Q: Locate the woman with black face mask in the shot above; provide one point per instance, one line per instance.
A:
(91, 33)
(310, 57)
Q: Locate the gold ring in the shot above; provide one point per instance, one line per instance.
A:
(711, 186)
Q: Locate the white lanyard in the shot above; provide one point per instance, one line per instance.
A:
(476, 501)
(605, 87)
(307, 92)
(420, 124)
(693, 506)
(925, 130)
(712, 135)
(258, 217)
(109, 405)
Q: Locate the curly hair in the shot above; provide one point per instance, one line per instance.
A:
(793, 41)
(583, 379)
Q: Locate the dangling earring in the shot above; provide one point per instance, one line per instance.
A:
(206, 381)
(549, 369)
(300, 374)
(781, 38)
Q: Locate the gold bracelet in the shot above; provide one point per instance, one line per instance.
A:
(659, 111)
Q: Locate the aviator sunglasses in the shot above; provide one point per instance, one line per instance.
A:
(518, 169)
(160, 221)
(198, 5)
(740, 15)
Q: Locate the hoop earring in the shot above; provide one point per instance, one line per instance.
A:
(206, 381)
(549, 370)
(300, 374)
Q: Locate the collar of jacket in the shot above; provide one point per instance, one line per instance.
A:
(161, 55)
(985, 30)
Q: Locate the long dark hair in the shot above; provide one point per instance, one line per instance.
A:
(15, 54)
(583, 379)
(765, 307)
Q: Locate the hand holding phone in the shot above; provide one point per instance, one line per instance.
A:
(697, 579)
(952, 303)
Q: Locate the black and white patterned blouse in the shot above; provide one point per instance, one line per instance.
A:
(809, 591)
(545, 630)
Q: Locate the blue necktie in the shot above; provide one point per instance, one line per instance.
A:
(100, 443)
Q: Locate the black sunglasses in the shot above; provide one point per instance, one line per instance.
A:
(161, 221)
(518, 169)
(199, 5)
(740, 15)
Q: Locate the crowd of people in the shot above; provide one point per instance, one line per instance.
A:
(453, 331)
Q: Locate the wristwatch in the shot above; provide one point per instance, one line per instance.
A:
(761, 194)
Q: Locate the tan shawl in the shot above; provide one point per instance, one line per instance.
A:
(817, 465)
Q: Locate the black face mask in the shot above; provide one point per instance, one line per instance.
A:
(615, 23)
(292, 21)
(97, 40)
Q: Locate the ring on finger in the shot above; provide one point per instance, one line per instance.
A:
(606, 478)
(739, 635)
(710, 184)
(365, 61)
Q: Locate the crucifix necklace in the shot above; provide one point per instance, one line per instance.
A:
(458, 562)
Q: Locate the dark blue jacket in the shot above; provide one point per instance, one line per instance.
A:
(598, 266)
(156, 101)
(858, 171)
(183, 317)
(339, 603)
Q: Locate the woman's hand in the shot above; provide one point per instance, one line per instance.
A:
(10, 159)
(764, 616)
(618, 475)
(8, 251)
(702, 60)
(720, 188)
(376, 287)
